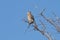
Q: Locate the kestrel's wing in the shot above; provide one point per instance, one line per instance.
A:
(32, 17)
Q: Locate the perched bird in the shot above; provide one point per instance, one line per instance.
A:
(30, 18)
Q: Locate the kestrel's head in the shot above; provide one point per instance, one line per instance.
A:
(29, 13)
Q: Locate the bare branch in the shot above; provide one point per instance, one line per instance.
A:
(51, 22)
(57, 18)
(43, 25)
(48, 36)
(43, 33)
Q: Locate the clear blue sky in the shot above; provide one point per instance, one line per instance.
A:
(13, 11)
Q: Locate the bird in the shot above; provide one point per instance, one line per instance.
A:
(30, 19)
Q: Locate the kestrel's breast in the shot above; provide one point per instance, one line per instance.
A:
(30, 19)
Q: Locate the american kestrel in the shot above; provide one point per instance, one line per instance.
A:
(30, 17)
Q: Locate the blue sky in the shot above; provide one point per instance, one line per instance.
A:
(13, 11)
